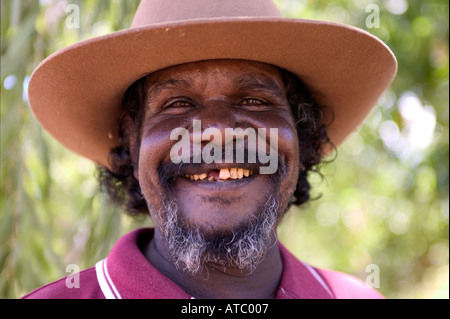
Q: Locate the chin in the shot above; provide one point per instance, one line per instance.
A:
(243, 247)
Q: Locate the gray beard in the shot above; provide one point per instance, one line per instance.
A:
(243, 248)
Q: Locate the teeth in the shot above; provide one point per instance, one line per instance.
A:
(197, 177)
(224, 174)
(233, 173)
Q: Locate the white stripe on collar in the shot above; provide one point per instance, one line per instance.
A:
(104, 280)
(318, 278)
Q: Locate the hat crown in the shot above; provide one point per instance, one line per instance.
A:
(161, 11)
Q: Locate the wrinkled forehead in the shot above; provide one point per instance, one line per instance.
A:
(235, 72)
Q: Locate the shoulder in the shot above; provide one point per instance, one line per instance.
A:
(83, 286)
(302, 280)
(345, 286)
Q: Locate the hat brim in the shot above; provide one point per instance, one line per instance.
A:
(76, 93)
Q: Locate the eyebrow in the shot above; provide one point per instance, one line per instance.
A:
(158, 87)
(248, 81)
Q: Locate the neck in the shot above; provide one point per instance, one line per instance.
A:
(217, 282)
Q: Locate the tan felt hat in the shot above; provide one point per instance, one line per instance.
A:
(76, 92)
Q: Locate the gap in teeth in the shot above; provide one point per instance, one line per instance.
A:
(224, 174)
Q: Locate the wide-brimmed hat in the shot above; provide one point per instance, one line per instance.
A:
(76, 93)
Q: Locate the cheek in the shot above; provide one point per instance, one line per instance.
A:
(288, 152)
(288, 147)
(154, 149)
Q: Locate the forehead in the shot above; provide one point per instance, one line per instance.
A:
(217, 71)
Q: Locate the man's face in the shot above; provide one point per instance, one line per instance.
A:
(221, 94)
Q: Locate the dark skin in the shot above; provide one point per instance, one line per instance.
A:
(222, 94)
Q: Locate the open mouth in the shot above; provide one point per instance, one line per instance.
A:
(224, 174)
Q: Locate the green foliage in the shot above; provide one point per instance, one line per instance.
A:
(384, 199)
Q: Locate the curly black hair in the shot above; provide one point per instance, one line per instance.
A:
(123, 188)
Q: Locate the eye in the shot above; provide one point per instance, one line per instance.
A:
(253, 102)
(179, 103)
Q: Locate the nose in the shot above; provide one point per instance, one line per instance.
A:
(215, 117)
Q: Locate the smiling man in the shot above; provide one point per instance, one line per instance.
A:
(208, 115)
(220, 224)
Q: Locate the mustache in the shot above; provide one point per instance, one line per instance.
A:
(169, 172)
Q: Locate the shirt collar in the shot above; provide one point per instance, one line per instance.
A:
(126, 273)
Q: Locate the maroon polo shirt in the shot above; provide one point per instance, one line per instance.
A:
(126, 273)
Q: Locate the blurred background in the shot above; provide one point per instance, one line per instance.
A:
(384, 201)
